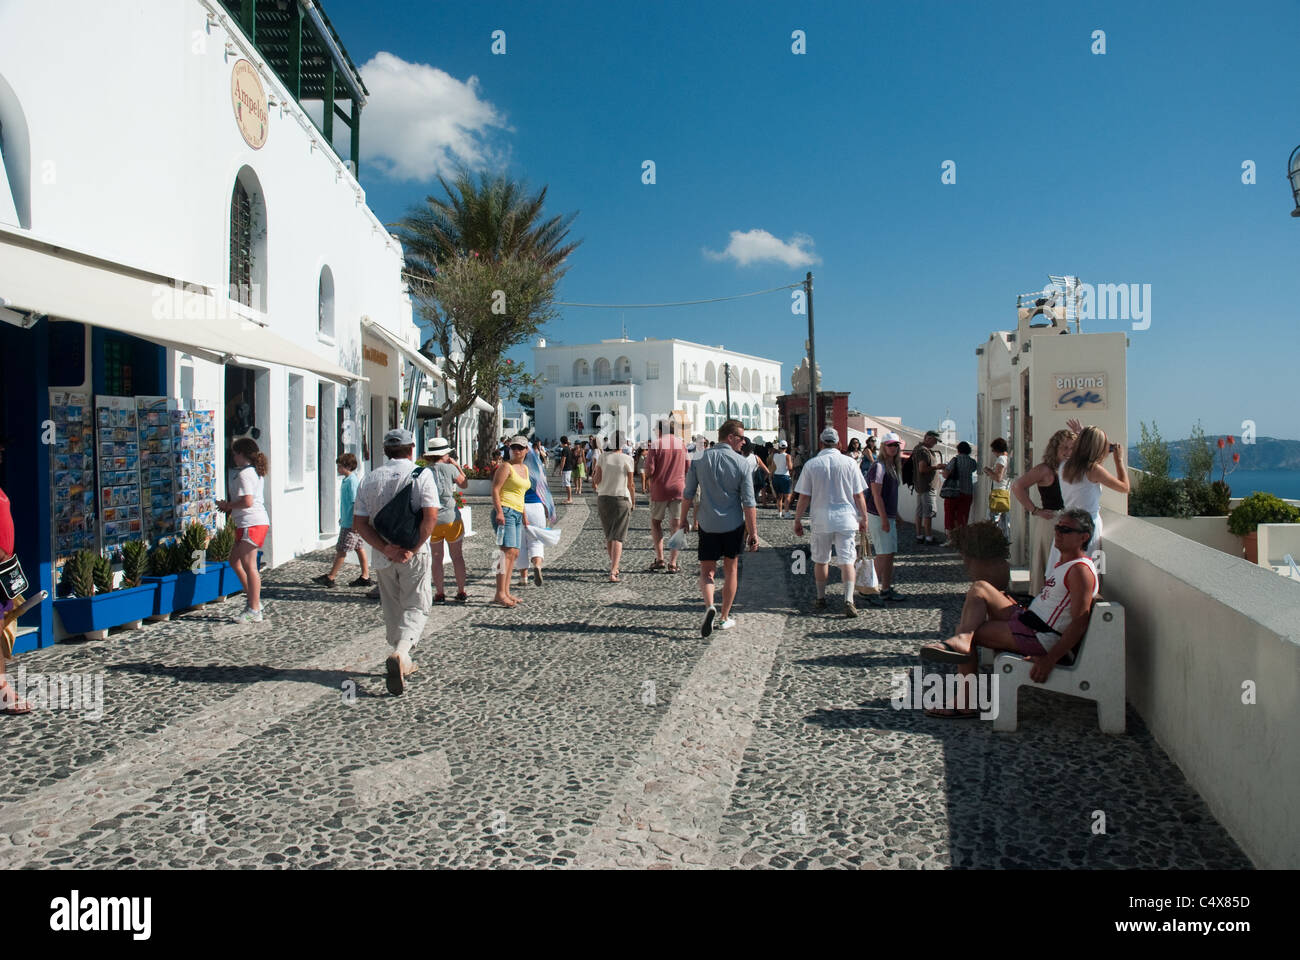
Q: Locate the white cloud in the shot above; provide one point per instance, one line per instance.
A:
(759, 246)
(419, 121)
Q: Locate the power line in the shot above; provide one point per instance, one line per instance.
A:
(676, 303)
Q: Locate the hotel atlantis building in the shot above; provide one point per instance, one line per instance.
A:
(628, 385)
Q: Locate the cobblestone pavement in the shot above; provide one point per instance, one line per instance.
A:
(591, 726)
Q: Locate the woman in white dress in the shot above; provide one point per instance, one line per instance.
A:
(1083, 476)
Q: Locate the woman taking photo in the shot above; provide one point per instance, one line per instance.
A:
(958, 491)
(1000, 495)
(615, 501)
(1048, 481)
(247, 507)
(508, 517)
(1083, 476)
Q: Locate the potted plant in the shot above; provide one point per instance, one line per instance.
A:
(1256, 509)
(985, 552)
(197, 581)
(161, 563)
(219, 547)
(480, 481)
(90, 606)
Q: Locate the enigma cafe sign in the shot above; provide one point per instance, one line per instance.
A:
(249, 100)
(1078, 391)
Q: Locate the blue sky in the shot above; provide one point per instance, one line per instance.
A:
(1118, 168)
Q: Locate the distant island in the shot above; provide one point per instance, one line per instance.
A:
(1266, 453)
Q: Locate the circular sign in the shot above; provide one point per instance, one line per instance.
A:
(249, 101)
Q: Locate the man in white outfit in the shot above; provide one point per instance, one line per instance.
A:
(404, 575)
(833, 483)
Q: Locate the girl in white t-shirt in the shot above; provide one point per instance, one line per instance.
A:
(247, 508)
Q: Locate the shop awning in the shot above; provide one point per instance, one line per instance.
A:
(380, 332)
(481, 404)
(63, 284)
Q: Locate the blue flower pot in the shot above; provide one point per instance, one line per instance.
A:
(193, 589)
(106, 610)
(229, 579)
(165, 598)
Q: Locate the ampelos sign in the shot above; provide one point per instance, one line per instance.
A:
(249, 101)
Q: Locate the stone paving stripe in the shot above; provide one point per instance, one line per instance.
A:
(668, 810)
(402, 779)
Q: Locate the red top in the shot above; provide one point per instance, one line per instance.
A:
(667, 458)
(6, 526)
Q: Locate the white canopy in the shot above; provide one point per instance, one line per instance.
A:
(43, 278)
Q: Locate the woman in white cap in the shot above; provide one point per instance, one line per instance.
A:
(779, 465)
(450, 530)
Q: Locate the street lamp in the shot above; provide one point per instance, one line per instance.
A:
(1293, 174)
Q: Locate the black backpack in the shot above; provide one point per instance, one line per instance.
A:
(909, 472)
(398, 522)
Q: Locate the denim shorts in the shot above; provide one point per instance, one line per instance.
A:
(510, 535)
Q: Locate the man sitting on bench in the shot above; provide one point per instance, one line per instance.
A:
(1045, 631)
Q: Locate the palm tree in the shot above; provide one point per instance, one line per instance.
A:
(493, 218)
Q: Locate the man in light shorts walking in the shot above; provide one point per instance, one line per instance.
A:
(405, 575)
(833, 484)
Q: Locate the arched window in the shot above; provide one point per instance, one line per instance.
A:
(600, 372)
(681, 376)
(593, 418)
(754, 381)
(744, 417)
(744, 380)
(710, 374)
(623, 369)
(710, 418)
(15, 161)
(325, 303)
(573, 418)
(581, 372)
(695, 373)
(248, 241)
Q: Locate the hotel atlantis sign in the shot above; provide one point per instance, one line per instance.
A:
(249, 101)
(594, 393)
(1079, 391)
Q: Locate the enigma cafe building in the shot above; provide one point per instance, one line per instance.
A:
(180, 244)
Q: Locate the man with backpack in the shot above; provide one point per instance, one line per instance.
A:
(399, 530)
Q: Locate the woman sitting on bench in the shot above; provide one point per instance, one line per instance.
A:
(1045, 631)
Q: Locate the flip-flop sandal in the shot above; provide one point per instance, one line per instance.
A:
(952, 714)
(944, 654)
(440, 598)
(462, 597)
(396, 682)
(614, 579)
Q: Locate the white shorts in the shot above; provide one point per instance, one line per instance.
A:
(844, 541)
(568, 478)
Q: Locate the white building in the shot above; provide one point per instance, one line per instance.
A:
(629, 385)
(172, 223)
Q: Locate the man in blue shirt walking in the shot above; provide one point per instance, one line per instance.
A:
(728, 517)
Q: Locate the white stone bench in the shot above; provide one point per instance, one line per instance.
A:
(1096, 672)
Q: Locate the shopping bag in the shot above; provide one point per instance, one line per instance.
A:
(547, 535)
(865, 580)
(678, 540)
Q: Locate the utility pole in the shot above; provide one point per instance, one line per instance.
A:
(726, 373)
(812, 370)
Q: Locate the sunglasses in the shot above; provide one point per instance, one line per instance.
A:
(515, 446)
(1062, 528)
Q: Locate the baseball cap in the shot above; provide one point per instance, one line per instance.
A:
(437, 446)
(891, 437)
(783, 444)
(399, 438)
(932, 433)
(519, 440)
(830, 435)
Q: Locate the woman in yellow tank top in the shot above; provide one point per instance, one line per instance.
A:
(509, 485)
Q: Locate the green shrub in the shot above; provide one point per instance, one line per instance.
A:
(103, 575)
(78, 578)
(160, 560)
(1216, 500)
(135, 562)
(1260, 508)
(981, 541)
(180, 557)
(222, 542)
(1160, 496)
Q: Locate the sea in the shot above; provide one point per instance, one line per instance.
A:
(1280, 483)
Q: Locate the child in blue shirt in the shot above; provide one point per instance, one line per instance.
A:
(348, 541)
